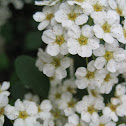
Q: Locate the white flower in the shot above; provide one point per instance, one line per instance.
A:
(103, 120)
(3, 104)
(44, 109)
(21, 112)
(67, 104)
(119, 6)
(74, 120)
(88, 108)
(31, 97)
(82, 41)
(114, 111)
(56, 40)
(110, 79)
(107, 25)
(94, 6)
(89, 76)
(69, 86)
(109, 56)
(69, 15)
(4, 87)
(45, 17)
(52, 66)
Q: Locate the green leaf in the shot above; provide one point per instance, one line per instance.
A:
(4, 61)
(17, 90)
(31, 77)
(33, 40)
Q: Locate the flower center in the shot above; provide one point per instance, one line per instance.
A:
(56, 62)
(23, 115)
(124, 32)
(80, 1)
(57, 95)
(119, 11)
(1, 111)
(108, 55)
(82, 40)
(113, 107)
(106, 28)
(90, 75)
(101, 124)
(71, 104)
(107, 78)
(49, 17)
(94, 93)
(56, 114)
(72, 16)
(60, 39)
(91, 109)
(71, 90)
(97, 7)
(39, 109)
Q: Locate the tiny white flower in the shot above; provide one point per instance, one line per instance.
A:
(82, 41)
(56, 40)
(31, 97)
(103, 121)
(88, 108)
(89, 76)
(118, 6)
(107, 26)
(53, 66)
(109, 56)
(69, 15)
(44, 109)
(21, 112)
(45, 17)
(67, 104)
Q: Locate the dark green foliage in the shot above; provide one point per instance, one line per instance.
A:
(31, 77)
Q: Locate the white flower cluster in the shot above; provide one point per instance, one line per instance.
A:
(94, 30)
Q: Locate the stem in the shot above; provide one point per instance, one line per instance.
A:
(86, 60)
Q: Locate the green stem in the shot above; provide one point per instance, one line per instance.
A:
(86, 60)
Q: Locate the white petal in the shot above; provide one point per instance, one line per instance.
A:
(111, 65)
(43, 25)
(100, 62)
(58, 29)
(94, 43)
(108, 38)
(73, 46)
(100, 51)
(39, 16)
(65, 62)
(48, 70)
(60, 73)
(48, 36)
(53, 49)
(85, 51)
(98, 31)
(81, 72)
(85, 117)
(81, 84)
(19, 105)
(87, 31)
(64, 49)
(5, 85)
(82, 19)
